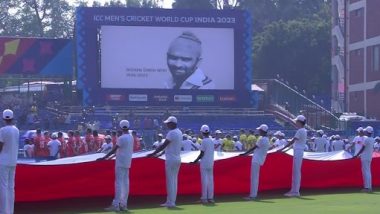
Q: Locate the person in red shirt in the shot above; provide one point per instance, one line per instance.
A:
(46, 139)
(63, 149)
(80, 146)
(70, 144)
(38, 144)
(89, 140)
(136, 142)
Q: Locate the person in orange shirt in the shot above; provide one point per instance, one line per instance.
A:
(136, 142)
(98, 141)
(46, 139)
(70, 144)
(38, 144)
(89, 140)
(80, 146)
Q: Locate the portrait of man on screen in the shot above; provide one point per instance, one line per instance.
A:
(183, 59)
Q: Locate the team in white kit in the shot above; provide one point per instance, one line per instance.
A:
(171, 147)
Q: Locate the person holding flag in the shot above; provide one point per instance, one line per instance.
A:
(172, 147)
(207, 166)
(365, 154)
(9, 136)
(124, 151)
(299, 141)
(259, 151)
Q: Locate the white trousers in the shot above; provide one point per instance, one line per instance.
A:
(207, 180)
(121, 187)
(171, 171)
(255, 175)
(296, 172)
(366, 171)
(7, 189)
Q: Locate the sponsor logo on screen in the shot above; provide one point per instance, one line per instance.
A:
(138, 97)
(115, 97)
(205, 98)
(183, 98)
(160, 98)
(227, 98)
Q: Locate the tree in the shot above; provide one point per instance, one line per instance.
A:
(41, 18)
(298, 50)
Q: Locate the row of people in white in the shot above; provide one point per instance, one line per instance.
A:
(172, 147)
(9, 136)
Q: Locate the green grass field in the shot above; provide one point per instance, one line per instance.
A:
(318, 202)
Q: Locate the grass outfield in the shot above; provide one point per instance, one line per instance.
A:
(330, 201)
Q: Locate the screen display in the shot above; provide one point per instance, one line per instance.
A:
(145, 57)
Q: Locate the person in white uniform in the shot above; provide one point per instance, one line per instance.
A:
(107, 145)
(207, 166)
(238, 146)
(320, 143)
(28, 148)
(376, 147)
(299, 141)
(186, 143)
(124, 151)
(9, 137)
(337, 144)
(172, 147)
(358, 141)
(279, 141)
(218, 141)
(159, 142)
(365, 154)
(54, 146)
(259, 155)
(196, 146)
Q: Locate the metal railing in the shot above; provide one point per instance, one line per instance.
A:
(281, 95)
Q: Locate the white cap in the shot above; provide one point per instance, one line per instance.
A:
(360, 129)
(108, 137)
(282, 134)
(7, 114)
(171, 119)
(205, 129)
(377, 138)
(124, 124)
(218, 132)
(337, 136)
(160, 135)
(324, 136)
(277, 133)
(369, 129)
(54, 135)
(263, 127)
(300, 118)
(235, 137)
(185, 136)
(321, 132)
